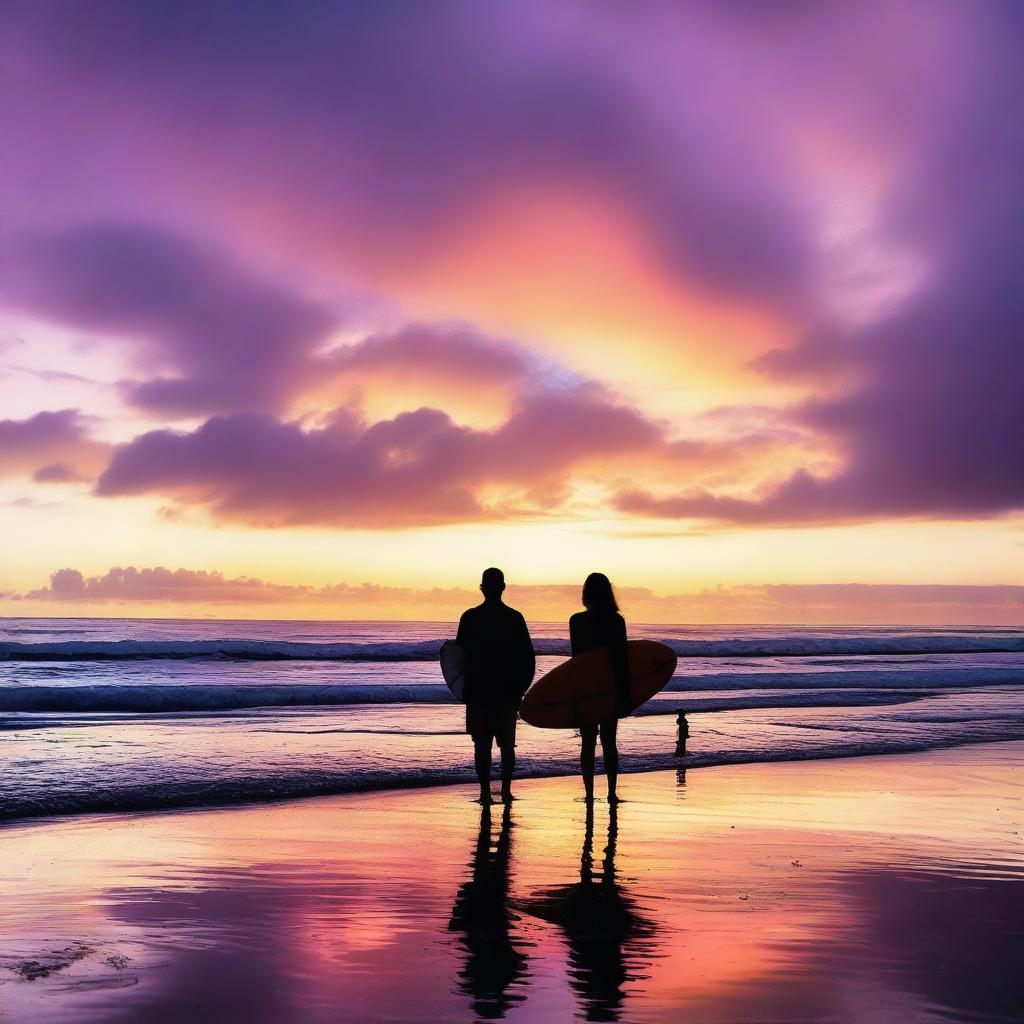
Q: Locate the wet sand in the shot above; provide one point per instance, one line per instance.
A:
(861, 890)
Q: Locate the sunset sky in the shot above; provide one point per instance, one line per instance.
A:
(318, 309)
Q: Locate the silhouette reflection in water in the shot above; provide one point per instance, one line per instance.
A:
(610, 941)
(494, 961)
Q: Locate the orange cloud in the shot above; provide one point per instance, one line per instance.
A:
(470, 375)
(570, 268)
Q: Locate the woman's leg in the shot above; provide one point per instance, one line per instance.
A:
(588, 738)
(610, 753)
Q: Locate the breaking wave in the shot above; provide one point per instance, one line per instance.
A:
(781, 646)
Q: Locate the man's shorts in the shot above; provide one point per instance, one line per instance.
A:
(492, 721)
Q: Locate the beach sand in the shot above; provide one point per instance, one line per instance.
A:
(861, 890)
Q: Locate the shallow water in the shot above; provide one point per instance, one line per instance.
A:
(126, 714)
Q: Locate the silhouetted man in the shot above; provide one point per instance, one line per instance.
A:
(499, 669)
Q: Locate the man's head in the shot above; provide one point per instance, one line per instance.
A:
(492, 584)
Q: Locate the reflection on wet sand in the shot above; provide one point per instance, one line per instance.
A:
(866, 890)
(494, 961)
(610, 940)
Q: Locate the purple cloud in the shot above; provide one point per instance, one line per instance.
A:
(159, 584)
(132, 585)
(455, 351)
(801, 603)
(738, 141)
(221, 339)
(931, 425)
(417, 468)
(375, 128)
(48, 440)
(936, 429)
(56, 473)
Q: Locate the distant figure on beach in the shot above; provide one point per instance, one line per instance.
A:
(499, 669)
(682, 733)
(601, 625)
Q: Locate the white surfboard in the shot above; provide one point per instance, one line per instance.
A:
(453, 668)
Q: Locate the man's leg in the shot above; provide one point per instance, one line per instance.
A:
(482, 763)
(507, 743)
(478, 727)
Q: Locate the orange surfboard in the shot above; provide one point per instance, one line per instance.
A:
(581, 691)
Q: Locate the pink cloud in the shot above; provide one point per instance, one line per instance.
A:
(855, 603)
(417, 468)
(453, 351)
(214, 336)
(50, 445)
(159, 584)
(358, 142)
(56, 473)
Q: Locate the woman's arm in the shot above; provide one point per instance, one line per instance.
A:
(619, 656)
(575, 640)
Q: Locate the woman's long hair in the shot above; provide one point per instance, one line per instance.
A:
(598, 595)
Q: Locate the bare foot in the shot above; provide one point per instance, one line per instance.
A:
(506, 796)
(615, 800)
(484, 799)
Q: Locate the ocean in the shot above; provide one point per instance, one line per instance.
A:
(136, 714)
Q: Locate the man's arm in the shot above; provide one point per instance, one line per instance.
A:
(526, 654)
(464, 638)
(462, 634)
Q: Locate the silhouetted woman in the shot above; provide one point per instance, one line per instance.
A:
(601, 625)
